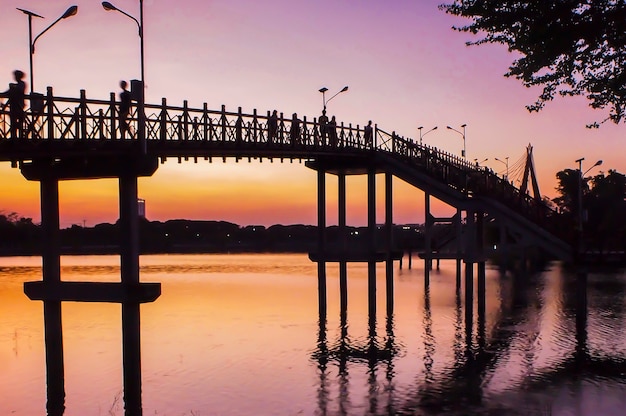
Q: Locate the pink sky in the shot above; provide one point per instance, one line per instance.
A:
(404, 65)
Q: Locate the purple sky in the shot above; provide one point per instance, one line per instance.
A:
(404, 65)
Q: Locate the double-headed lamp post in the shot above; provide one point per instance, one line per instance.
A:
(581, 174)
(422, 135)
(463, 153)
(31, 43)
(506, 178)
(323, 91)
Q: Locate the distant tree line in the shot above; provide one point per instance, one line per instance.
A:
(20, 236)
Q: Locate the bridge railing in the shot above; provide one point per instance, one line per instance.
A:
(69, 119)
(59, 118)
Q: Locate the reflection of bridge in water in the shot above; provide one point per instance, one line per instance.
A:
(68, 138)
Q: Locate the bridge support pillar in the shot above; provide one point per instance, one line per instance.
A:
(343, 264)
(371, 225)
(428, 229)
(321, 241)
(51, 270)
(131, 324)
(389, 240)
(470, 252)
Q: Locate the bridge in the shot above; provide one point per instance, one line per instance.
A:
(78, 138)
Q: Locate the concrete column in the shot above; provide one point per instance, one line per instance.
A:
(389, 240)
(51, 268)
(458, 226)
(343, 264)
(131, 325)
(371, 225)
(321, 242)
(469, 275)
(428, 229)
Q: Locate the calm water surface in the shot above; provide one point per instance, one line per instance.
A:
(241, 335)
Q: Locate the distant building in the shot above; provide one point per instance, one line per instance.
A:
(141, 207)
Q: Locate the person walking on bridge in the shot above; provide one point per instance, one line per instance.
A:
(368, 135)
(294, 132)
(15, 102)
(332, 132)
(323, 122)
(125, 99)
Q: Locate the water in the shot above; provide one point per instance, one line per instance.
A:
(240, 335)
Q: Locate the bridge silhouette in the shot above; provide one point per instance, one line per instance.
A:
(78, 138)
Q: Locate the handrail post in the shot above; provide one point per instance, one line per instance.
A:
(112, 110)
(205, 124)
(163, 120)
(185, 120)
(305, 132)
(254, 125)
(223, 121)
(375, 141)
(50, 113)
(83, 113)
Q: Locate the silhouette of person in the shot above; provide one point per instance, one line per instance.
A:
(239, 129)
(125, 100)
(15, 102)
(294, 132)
(323, 122)
(369, 134)
(332, 132)
(272, 126)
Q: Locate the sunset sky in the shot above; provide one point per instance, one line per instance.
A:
(404, 65)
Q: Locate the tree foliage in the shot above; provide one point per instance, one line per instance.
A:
(603, 203)
(568, 47)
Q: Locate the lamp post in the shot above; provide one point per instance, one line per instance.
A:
(481, 162)
(462, 134)
(323, 91)
(581, 246)
(31, 43)
(505, 164)
(422, 135)
(140, 102)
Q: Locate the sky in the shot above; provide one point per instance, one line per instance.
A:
(404, 65)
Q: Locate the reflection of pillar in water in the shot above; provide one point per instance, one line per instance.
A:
(482, 284)
(581, 316)
(321, 240)
(371, 225)
(389, 240)
(51, 270)
(322, 364)
(343, 265)
(429, 339)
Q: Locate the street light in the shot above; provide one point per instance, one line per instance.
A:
(422, 135)
(109, 7)
(481, 162)
(462, 134)
(580, 200)
(141, 118)
(507, 166)
(31, 43)
(323, 91)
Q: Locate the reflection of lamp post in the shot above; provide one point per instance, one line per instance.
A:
(506, 178)
(323, 91)
(422, 135)
(581, 246)
(462, 134)
(31, 43)
(140, 102)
